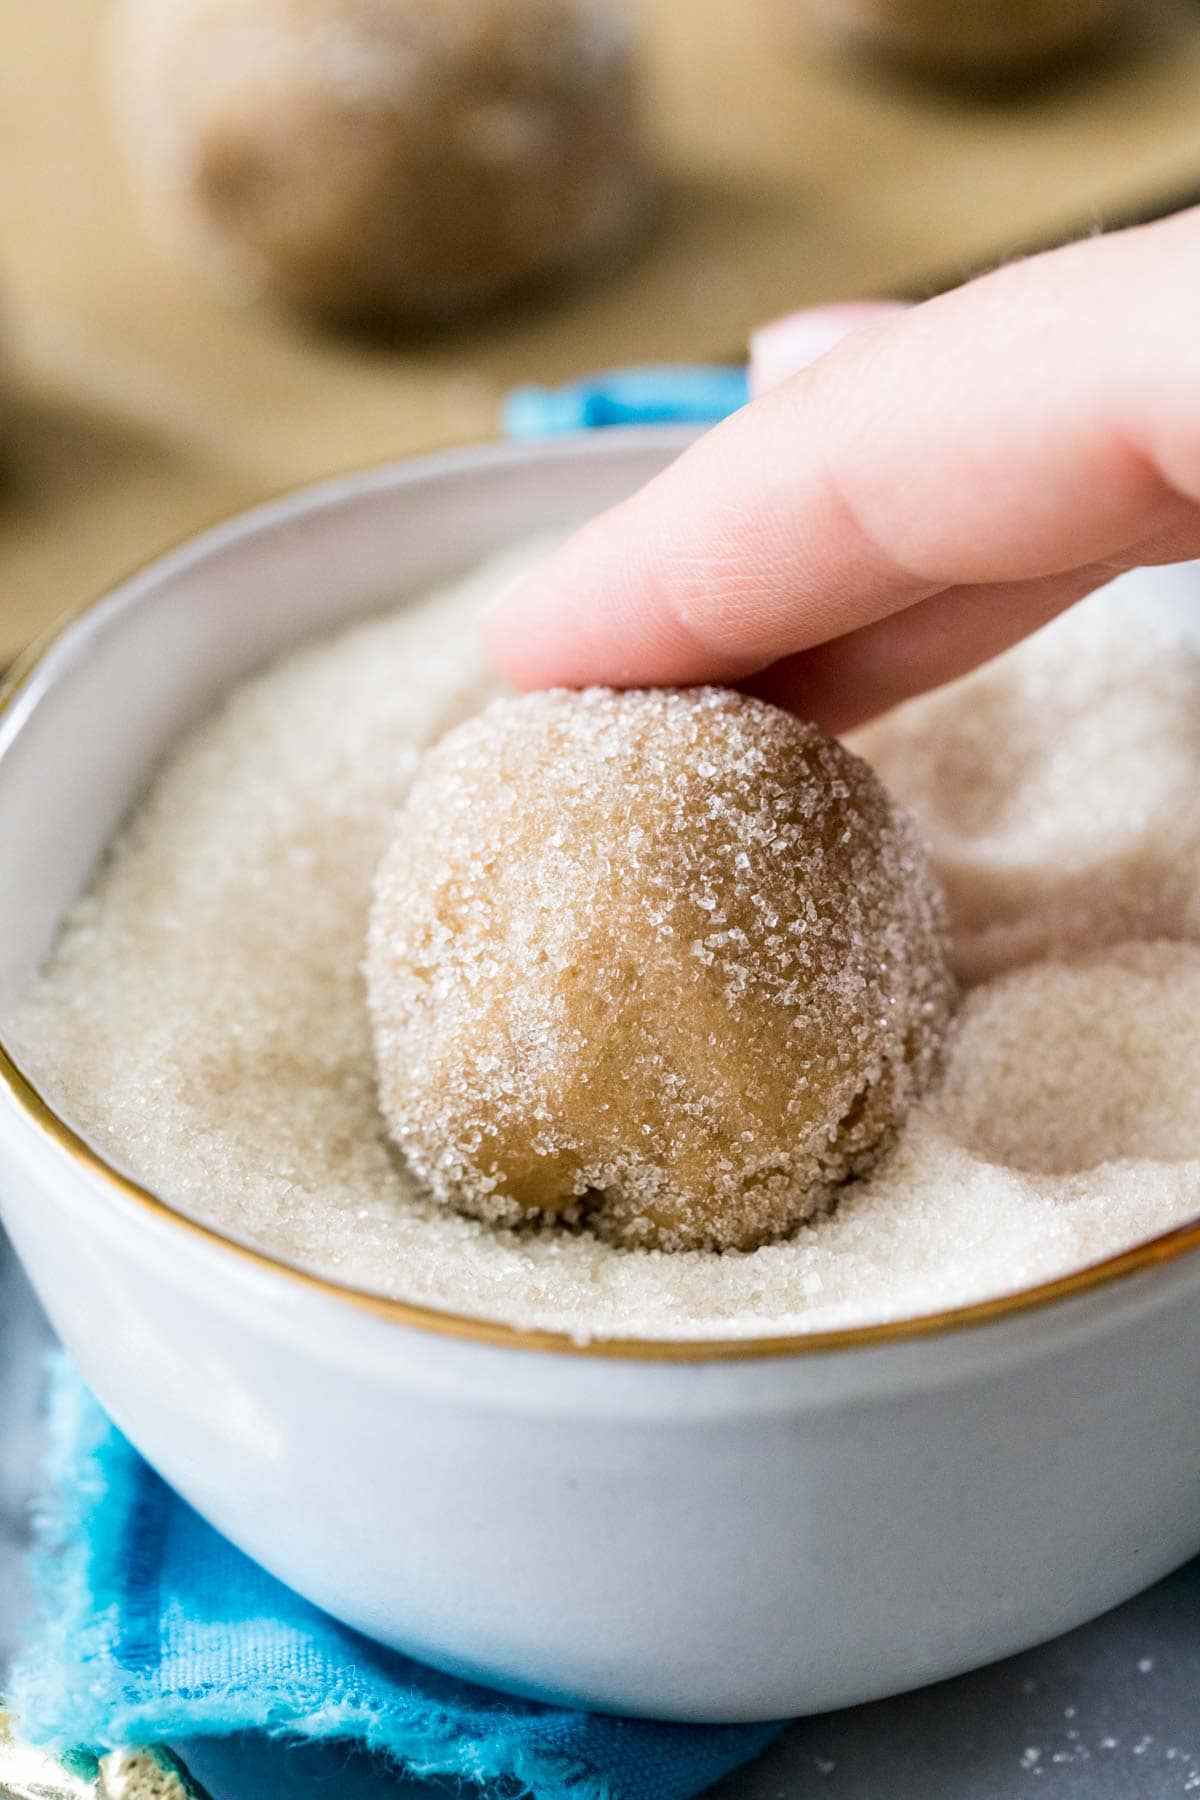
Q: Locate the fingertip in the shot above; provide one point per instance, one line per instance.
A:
(783, 347)
(597, 609)
(505, 625)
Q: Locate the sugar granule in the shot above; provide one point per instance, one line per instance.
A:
(203, 1020)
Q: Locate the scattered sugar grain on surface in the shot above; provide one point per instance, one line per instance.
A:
(203, 1020)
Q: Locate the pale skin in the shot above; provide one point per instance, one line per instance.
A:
(910, 491)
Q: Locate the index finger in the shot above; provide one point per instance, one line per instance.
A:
(1042, 419)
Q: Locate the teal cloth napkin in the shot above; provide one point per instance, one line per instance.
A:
(150, 1627)
(669, 394)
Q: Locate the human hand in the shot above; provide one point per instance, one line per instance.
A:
(937, 485)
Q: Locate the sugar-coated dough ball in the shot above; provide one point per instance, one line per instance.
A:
(1057, 786)
(667, 962)
(375, 158)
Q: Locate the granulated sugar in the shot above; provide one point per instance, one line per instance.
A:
(1064, 1066)
(1058, 786)
(203, 1020)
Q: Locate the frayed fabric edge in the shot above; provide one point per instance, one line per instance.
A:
(75, 1625)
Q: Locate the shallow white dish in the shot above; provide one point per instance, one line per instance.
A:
(705, 1530)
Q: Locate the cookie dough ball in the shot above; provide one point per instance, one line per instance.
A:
(669, 963)
(1057, 785)
(375, 158)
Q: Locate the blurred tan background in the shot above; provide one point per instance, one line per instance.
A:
(140, 407)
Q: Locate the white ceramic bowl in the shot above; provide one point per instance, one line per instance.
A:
(712, 1531)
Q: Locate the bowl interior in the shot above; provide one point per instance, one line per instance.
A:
(88, 715)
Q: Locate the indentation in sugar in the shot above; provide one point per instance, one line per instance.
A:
(1063, 1066)
(1058, 785)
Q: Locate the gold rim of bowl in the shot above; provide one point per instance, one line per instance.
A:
(1154, 1252)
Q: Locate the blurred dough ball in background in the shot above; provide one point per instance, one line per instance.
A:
(377, 159)
(988, 39)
